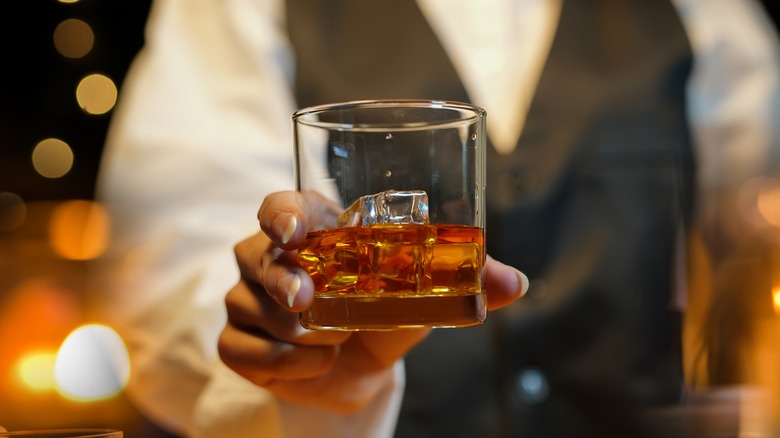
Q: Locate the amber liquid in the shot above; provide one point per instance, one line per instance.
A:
(383, 277)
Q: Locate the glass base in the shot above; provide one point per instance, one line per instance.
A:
(395, 312)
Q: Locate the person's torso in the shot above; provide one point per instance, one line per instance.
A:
(588, 205)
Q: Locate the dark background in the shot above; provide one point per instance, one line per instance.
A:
(38, 101)
(37, 89)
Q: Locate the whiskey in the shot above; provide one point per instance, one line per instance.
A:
(393, 276)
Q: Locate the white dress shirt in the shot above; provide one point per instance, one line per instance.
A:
(202, 134)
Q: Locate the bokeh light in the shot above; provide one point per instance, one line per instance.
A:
(92, 364)
(769, 205)
(35, 316)
(776, 300)
(52, 158)
(73, 38)
(79, 229)
(36, 370)
(96, 94)
(13, 211)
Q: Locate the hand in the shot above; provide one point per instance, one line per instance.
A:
(264, 341)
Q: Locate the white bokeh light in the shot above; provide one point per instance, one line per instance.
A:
(92, 364)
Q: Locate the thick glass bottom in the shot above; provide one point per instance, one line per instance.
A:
(395, 312)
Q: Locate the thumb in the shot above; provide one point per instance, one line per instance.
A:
(504, 284)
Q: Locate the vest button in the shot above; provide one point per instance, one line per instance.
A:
(531, 386)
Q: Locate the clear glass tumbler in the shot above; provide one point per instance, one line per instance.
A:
(405, 244)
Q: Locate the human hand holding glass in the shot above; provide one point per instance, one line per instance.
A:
(409, 248)
(264, 341)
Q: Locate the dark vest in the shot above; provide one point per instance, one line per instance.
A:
(588, 205)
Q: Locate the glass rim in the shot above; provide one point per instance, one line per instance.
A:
(68, 432)
(477, 113)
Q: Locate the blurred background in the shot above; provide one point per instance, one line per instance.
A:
(63, 63)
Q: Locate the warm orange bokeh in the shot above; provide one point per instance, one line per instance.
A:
(769, 205)
(776, 300)
(37, 316)
(79, 230)
(35, 370)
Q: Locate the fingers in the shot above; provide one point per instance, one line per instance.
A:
(504, 284)
(332, 370)
(283, 217)
(285, 280)
(262, 341)
(249, 253)
(252, 310)
(262, 359)
(287, 216)
(260, 262)
(355, 379)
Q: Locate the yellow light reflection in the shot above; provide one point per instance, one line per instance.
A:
(776, 300)
(52, 158)
(96, 94)
(92, 364)
(35, 316)
(37, 313)
(36, 370)
(79, 229)
(13, 211)
(73, 38)
(68, 1)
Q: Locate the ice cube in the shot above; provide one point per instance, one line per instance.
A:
(399, 259)
(388, 207)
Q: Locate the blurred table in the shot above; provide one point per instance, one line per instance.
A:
(725, 412)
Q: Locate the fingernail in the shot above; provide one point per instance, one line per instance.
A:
(524, 283)
(286, 224)
(292, 292)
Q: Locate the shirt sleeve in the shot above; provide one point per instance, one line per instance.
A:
(734, 91)
(232, 406)
(200, 136)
